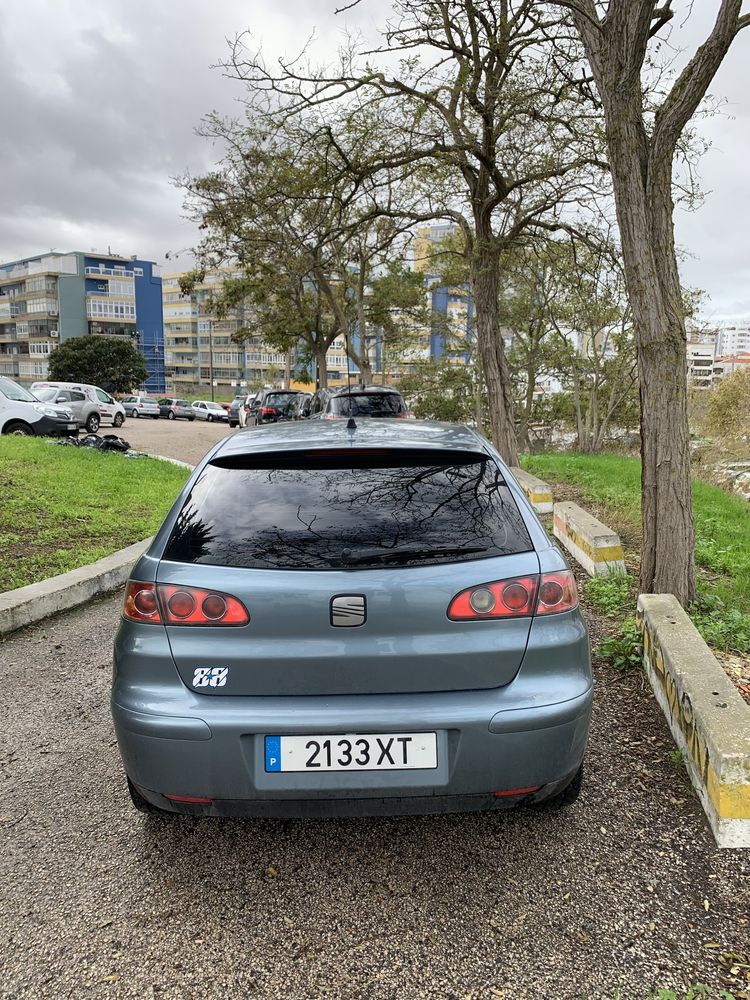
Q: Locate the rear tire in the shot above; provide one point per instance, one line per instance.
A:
(140, 803)
(170, 415)
(92, 423)
(134, 414)
(156, 416)
(118, 420)
(209, 419)
(566, 796)
(191, 419)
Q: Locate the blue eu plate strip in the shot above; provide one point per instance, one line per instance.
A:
(273, 753)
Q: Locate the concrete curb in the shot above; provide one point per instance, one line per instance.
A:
(538, 492)
(595, 546)
(709, 720)
(30, 604)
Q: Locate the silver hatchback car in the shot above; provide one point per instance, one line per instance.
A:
(351, 619)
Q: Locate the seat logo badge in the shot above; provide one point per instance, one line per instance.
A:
(215, 677)
(348, 610)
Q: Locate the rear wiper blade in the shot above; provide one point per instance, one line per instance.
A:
(406, 552)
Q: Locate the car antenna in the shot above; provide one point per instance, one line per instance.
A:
(351, 424)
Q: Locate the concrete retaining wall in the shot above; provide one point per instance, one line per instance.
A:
(538, 492)
(709, 720)
(596, 547)
(60, 593)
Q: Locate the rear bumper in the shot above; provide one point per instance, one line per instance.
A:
(487, 742)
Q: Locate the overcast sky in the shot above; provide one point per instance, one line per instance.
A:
(99, 103)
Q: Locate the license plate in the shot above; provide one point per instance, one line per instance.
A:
(72, 427)
(352, 752)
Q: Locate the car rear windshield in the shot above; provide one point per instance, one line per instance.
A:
(323, 511)
(279, 399)
(371, 404)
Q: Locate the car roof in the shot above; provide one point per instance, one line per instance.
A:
(303, 435)
(363, 390)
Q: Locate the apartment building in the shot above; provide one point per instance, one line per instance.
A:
(47, 299)
(733, 338)
(203, 355)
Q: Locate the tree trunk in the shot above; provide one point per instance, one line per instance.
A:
(644, 212)
(321, 365)
(485, 274)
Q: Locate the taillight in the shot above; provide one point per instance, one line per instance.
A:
(330, 416)
(557, 592)
(141, 603)
(521, 596)
(406, 415)
(172, 605)
(140, 406)
(267, 411)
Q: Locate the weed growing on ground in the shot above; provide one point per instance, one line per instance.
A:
(726, 630)
(624, 651)
(612, 596)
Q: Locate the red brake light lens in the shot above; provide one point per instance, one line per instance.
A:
(171, 605)
(518, 597)
(558, 592)
(268, 411)
(513, 598)
(141, 604)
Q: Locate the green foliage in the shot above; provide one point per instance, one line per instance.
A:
(64, 507)
(440, 391)
(726, 629)
(612, 484)
(612, 596)
(113, 363)
(729, 406)
(624, 651)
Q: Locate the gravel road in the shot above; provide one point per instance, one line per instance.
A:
(622, 891)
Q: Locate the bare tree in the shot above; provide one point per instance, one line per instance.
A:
(642, 146)
(478, 100)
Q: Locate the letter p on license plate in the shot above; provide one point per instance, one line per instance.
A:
(352, 752)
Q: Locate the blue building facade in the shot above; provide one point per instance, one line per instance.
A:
(47, 299)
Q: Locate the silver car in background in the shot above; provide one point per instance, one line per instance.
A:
(173, 408)
(141, 406)
(342, 618)
(90, 405)
(206, 409)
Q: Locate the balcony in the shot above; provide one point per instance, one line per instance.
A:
(109, 272)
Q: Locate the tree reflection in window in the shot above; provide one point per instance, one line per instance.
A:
(322, 517)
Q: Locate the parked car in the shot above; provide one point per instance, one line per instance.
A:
(206, 409)
(22, 413)
(299, 408)
(246, 407)
(270, 407)
(91, 405)
(320, 400)
(351, 621)
(141, 406)
(368, 401)
(173, 408)
(234, 409)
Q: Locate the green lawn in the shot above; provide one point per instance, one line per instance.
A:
(63, 507)
(610, 484)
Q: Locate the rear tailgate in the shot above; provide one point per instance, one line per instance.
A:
(394, 536)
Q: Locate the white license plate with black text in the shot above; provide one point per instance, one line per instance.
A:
(352, 752)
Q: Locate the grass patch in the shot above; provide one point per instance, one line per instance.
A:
(65, 507)
(612, 485)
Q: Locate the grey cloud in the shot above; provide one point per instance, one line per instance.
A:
(99, 106)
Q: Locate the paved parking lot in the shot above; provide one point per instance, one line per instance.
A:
(623, 891)
(182, 439)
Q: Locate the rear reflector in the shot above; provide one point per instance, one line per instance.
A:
(521, 596)
(517, 791)
(168, 604)
(194, 799)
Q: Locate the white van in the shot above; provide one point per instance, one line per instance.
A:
(90, 404)
(22, 413)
